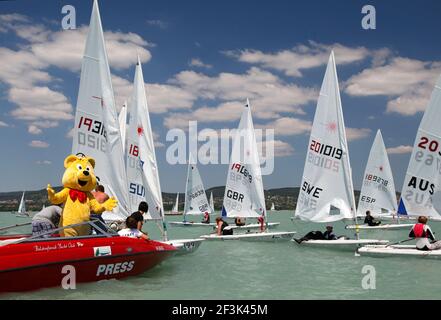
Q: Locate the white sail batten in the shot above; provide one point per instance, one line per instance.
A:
(122, 119)
(378, 190)
(421, 188)
(244, 195)
(142, 168)
(196, 202)
(326, 192)
(97, 132)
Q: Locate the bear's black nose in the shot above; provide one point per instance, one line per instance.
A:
(86, 173)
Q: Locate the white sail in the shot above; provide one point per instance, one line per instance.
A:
(211, 202)
(122, 119)
(273, 207)
(196, 202)
(244, 195)
(22, 205)
(378, 190)
(142, 169)
(326, 192)
(96, 131)
(422, 183)
(176, 206)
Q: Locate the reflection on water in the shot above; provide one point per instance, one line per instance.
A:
(247, 270)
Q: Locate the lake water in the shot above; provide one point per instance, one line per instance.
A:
(249, 270)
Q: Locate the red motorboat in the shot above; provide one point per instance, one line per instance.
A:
(30, 263)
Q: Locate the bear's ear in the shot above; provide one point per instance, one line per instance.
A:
(91, 161)
(68, 161)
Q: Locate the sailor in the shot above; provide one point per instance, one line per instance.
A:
(206, 217)
(101, 196)
(370, 220)
(239, 222)
(422, 233)
(46, 220)
(143, 208)
(318, 235)
(329, 234)
(221, 225)
(131, 230)
(261, 221)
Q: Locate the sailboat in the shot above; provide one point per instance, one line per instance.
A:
(244, 195)
(273, 207)
(22, 212)
(97, 135)
(421, 193)
(326, 193)
(97, 131)
(196, 202)
(175, 210)
(212, 202)
(142, 168)
(378, 190)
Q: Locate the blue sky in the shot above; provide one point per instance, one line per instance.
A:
(202, 59)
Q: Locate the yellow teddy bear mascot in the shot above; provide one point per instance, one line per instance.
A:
(78, 180)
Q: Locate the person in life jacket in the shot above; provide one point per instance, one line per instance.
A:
(261, 221)
(370, 220)
(206, 218)
(423, 234)
(318, 235)
(222, 227)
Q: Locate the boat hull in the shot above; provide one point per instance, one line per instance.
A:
(253, 226)
(340, 244)
(40, 264)
(191, 224)
(258, 236)
(398, 251)
(185, 246)
(382, 227)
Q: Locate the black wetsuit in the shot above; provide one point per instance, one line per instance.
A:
(226, 232)
(328, 235)
(370, 221)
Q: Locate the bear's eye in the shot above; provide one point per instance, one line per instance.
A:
(79, 167)
(88, 168)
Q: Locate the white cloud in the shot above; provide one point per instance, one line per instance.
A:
(3, 124)
(27, 70)
(277, 148)
(400, 150)
(161, 98)
(196, 62)
(44, 162)
(302, 57)
(64, 49)
(158, 23)
(40, 103)
(34, 130)
(407, 82)
(353, 134)
(288, 126)
(38, 144)
(269, 95)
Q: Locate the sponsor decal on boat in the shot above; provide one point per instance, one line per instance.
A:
(102, 251)
(114, 268)
(58, 246)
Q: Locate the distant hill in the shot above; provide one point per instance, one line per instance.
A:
(283, 198)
